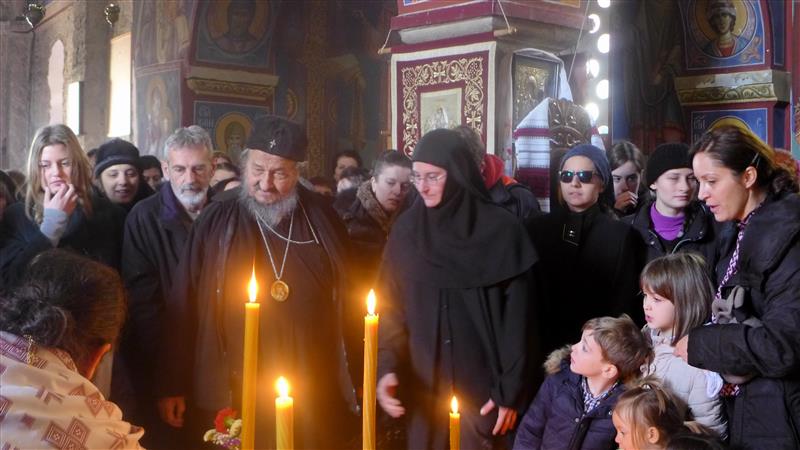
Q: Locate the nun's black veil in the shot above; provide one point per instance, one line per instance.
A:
(466, 241)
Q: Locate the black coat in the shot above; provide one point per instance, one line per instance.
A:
(766, 413)
(516, 198)
(597, 277)
(556, 419)
(156, 230)
(699, 233)
(98, 237)
(202, 355)
(471, 341)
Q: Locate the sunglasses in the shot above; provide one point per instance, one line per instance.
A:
(584, 176)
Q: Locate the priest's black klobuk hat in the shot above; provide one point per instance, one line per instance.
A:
(279, 136)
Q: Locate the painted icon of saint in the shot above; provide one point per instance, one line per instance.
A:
(238, 39)
(721, 15)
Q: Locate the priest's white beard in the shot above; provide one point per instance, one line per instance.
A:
(271, 213)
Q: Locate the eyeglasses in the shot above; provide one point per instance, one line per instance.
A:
(584, 176)
(432, 179)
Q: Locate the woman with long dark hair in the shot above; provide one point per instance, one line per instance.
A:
(754, 341)
(456, 295)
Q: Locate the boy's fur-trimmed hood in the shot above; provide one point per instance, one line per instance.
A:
(554, 361)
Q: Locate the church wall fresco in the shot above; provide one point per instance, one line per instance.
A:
(316, 65)
(236, 32)
(228, 124)
(735, 66)
(158, 110)
(723, 34)
(161, 39)
(754, 118)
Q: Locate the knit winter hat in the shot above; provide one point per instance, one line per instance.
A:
(667, 157)
(597, 156)
(600, 161)
(113, 152)
(278, 136)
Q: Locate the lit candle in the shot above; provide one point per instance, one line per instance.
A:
(250, 369)
(455, 425)
(370, 367)
(284, 416)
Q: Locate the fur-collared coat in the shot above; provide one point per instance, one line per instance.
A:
(556, 418)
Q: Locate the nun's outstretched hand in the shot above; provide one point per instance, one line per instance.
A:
(506, 417)
(387, 389)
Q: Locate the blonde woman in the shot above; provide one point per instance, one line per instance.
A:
(60, 208)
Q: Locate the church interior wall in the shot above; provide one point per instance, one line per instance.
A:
(319, 66)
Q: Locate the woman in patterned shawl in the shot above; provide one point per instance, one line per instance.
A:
(55, 326)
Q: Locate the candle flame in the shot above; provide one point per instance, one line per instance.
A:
(371, 302)
(454, 405)
(283, 387)
(252, 287)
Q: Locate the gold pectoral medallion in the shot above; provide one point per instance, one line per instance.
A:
(279, 291)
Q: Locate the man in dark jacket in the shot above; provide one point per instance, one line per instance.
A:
(294, 243)
(155, 233)
(503, 190)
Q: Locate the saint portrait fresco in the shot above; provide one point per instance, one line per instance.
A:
(723, 33)
(235, 32)
(158, 111)
(229, 124)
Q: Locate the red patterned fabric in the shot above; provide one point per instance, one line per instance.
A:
(48, 404)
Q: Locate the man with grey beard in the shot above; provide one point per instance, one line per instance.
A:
(156, 230)
(293, 241)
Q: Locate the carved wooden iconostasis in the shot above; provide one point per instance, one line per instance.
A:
(458, 63)
(223, 64)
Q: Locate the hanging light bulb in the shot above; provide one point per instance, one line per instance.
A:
(593, 110)
(604, 43)
(595, 19)
(592, 68)
(604, 3)
(602, 89)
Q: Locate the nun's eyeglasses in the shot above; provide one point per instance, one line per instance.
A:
(432, 179)
(584, 176)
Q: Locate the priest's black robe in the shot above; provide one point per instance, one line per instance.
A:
(300, 338)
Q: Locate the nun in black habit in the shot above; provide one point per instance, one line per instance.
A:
(456, 298)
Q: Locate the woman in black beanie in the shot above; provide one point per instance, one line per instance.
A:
(674, 220)
(456, 294)
(118, 174)
(590, 261)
